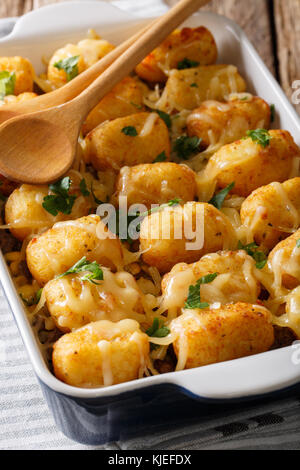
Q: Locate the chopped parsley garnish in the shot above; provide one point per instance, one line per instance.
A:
(93, 270)
(194, 85)
(69, 65)
(162, 157)
(258, 256)
(158, 329)
(7, 83)
(273, 112)
(130, 130)
(171, 203)
(194, 299)
(33, 300)
(186, 146)
(187, 64)
(260, 136)
(218, 199)
(165, 117)
(61, 200)
(137, 106)
(83, 188)
(298, 243)
(97, 201)
(244, 98)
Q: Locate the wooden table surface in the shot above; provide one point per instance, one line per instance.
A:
(273, 26)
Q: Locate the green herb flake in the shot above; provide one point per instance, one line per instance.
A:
(162, 157)
(273, 112)
(7, 83)
(260, 136)
(298, 243)
(218, 199)
(69, 65)
(252, 250)
(33, 300)
(194, 85)
(187, 64)
(61, 200)
(165, 117)
(158, 329)
(83, 188)
(186, 146)
(137, 106)
(93, 270)
(194, 299)
(130, 131)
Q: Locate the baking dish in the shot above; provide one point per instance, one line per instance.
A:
(87, 415)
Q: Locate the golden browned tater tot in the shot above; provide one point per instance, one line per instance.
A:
(187, 89)
(101, 353)
(196, 44)
(155, 183)
(236, 281)
(284, 262)
(124, 99)
(23, 70)
(216, 335)
(60, 247)
(250, 165)
(184, 234)
(272, 212)
(127, 141)
(215, 122)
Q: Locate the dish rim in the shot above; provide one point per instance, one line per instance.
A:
(187, 380)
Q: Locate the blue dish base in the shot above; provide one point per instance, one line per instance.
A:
(126, 416)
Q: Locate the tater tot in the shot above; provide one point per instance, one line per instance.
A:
(284, 262)
(88, 51)
(216, 122)
(196, 44)
(73, 302)
(216, 335)
(184, 234)
(155, 183)
(250, 165)
(187, 89)
(23, 70)
(101, 353)
(235, 282)
(25, 214)
(12, 99)
(271, 212)
(115, 144)
(124, 99)
(59, 248)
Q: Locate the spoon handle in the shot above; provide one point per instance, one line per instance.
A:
(89, 98)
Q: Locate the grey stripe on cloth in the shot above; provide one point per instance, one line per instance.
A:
(26, 422)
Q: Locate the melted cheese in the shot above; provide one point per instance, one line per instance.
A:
(149, 124)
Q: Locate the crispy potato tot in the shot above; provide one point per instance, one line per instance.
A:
(211, 82)
(23, 71)
(108, 146)
(216, 335)
(101, 353)
(215, 122)
(124, 99)
(60, 247)
(12, 99)
(235, 282)
(250, 165)
(184, 234)
(73, 302)
(272, 212)
(196, 44)
(25, 214)
(89, 52)
(284, 262)
(155, 183)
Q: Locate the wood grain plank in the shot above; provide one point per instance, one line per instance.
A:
(287, 20)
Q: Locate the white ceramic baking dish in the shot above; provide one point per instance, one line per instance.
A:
(38, 34)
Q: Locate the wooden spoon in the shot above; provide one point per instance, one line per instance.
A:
(72, 88)
(40, 147)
